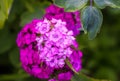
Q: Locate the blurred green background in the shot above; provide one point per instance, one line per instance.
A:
(101, 56)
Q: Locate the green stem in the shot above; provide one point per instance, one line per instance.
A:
(70, 66)
(91, 2)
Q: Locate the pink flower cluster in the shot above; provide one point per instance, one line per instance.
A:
(46, 44)
(54, 42)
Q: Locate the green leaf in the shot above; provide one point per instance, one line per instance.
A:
(2, 19)
(71, 5)
(92, 20)
(5, 6)
(14, 57)
(6, 40)
(60, 3)
(28, 16)
(35, 11)
(82, 77)
(104, 3)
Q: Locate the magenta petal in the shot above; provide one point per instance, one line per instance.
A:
(65, 76)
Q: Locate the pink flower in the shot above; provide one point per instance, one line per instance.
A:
(43, 27)
(65, 76)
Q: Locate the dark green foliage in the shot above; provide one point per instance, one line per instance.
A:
(101, 56)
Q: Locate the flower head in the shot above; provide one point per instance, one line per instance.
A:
(45, 45)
